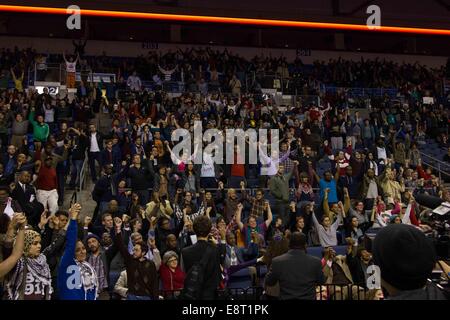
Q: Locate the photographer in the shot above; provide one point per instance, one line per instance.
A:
(406, 266)
(205, 257)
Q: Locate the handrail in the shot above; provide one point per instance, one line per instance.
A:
(433, 158)
(83, 172)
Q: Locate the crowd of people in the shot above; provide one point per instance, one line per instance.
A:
(165, 226)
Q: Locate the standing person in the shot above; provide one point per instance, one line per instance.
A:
(71, 69)
(25, 194)
(134, 82)
(80, 144)
(142, 276)
(41, 130)
(203, 257)
(77, 279)
(235, 86)
(252, 225)
(95, 147)
(31, 278)
(47, 185)
(406, 266)
(140, 178)
(100, 258)
(279, 188)
(19, 131)
(327, 230)
(297, 273)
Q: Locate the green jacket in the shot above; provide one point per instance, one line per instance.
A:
(40, 132)
(279, 186)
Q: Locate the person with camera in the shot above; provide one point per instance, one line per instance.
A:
(407, 266)
(204, 257)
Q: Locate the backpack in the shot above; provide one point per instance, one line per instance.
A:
(195, 279)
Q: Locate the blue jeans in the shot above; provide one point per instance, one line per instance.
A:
(135, 297)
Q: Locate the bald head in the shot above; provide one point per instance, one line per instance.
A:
(297, 241)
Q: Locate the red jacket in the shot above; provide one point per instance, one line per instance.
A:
(171, 280)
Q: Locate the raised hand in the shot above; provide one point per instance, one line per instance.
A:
(74, 211)
(44, 219)
(87, 221)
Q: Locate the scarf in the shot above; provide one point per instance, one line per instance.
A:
(249, 233)
(40, 271)
(88, 279)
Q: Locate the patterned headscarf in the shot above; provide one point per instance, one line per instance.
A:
(30, 235)
(38, 267)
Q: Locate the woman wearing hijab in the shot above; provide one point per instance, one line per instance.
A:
(31, 278)
(77, 279)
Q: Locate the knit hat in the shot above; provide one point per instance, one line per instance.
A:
(92, 235)
(30, 235)
(405, 256)
(168, 255)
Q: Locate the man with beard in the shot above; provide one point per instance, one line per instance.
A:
(100, 258)
(141, 273)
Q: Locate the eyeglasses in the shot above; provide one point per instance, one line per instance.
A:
(172, 260)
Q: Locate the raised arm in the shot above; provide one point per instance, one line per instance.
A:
(238, 216)
(326, 207)
(9, 263)
(71, 235)
(269, 214)
(119, 240)
(346, 202)
(316, 176)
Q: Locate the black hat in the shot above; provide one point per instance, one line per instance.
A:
(405, 256)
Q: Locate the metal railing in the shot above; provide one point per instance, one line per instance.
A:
(325, 292)
(361, 92)
(81, 183)
(440, 166)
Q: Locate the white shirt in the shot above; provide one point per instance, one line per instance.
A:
(49, 115)
(94, 143)
(71, 66)
(134, 82)
(372, 190)
(381, 152)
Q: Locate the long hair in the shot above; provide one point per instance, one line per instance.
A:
(276, 248)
